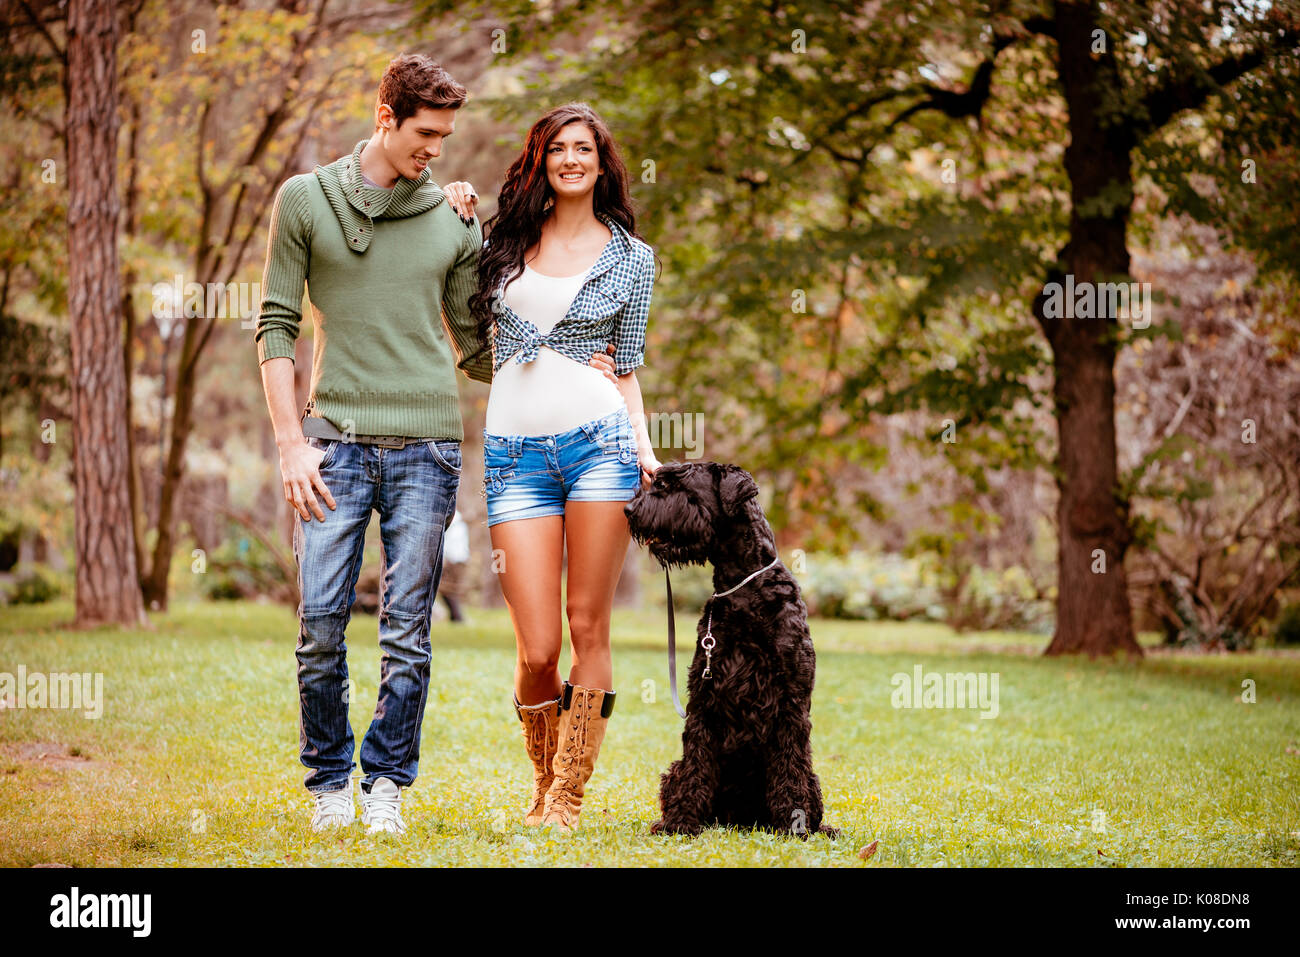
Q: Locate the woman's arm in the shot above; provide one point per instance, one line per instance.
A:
(645, 450)
(631, 389)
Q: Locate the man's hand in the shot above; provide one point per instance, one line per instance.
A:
(300, 472)
(463, 200)
(604, 361)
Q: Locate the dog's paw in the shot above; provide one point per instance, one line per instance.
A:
(831, 832)
(690, 830)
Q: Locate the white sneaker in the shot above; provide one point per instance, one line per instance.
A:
(334, 809)
(381, 809)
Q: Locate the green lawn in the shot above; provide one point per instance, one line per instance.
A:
(194, 761)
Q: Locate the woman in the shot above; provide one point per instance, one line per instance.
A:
(563, 274)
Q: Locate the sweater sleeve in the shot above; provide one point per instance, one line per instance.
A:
(288, 258)
(629, 329)
(475, 359)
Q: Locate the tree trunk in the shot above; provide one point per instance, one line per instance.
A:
(1093, 612)
(107, 588)
(155, 585)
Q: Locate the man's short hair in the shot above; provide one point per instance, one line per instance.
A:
(414, 81)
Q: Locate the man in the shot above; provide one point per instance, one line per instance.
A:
(385, 261)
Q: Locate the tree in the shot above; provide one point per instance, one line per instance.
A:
(107, 588)
(805, 148)
(244, 93)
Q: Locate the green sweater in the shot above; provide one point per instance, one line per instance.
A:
(383, 267)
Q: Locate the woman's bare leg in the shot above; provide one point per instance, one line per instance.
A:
(597, 537)
(530, 556)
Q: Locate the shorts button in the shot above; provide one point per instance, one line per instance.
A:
(550, 441)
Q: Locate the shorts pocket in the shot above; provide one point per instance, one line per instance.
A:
(616, 439)
(496, 456)
(620, 445)
(494, 480)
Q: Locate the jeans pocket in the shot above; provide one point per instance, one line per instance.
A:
(446, 452)
(329, 446)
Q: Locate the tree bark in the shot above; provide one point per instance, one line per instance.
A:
(1093, 611)
(107, 590)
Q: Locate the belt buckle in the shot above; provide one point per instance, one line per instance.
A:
(391, 441)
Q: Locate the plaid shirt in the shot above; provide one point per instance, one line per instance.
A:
(612, 306)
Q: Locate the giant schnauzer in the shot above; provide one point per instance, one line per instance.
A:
(746, 756)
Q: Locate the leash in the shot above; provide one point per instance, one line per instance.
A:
(708, 642)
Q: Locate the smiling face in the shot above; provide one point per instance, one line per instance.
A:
(410, 146)
(572, 161)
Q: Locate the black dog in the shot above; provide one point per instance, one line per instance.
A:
(746, 756)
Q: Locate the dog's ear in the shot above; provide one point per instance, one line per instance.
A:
(735, 489)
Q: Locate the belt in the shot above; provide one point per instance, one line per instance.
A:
(320, 428)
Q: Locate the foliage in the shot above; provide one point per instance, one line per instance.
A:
(35, 584)
(243, 567)
(868, 586)
(873, 587)
(1006, 600)
(1213, 437)
(1287, 629)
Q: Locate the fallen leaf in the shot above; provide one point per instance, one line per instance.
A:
(866, 852)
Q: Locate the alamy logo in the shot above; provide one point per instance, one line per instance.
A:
(1099, 300)
(214, 300)
(75, 691)
(102, 910)
(946, 690)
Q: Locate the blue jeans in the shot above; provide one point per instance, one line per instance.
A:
(414, 491)
(526, 476)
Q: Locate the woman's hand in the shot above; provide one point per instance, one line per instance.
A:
(604, 361)
(645, 455)
(463, 200)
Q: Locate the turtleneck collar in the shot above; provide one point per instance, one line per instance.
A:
(357, 204)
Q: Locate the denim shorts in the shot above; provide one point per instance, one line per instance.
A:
(526, 476)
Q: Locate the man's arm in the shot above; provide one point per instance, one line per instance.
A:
(288, 260)
(288, 256)
(474, 358)
(299, 462)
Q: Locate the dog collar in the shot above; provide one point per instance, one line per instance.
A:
(719, 594)
(708, 642)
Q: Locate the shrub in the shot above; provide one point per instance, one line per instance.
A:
(35, 585)
(1287, 629)
(890, 587)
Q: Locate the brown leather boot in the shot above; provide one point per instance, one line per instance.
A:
(584, 713)
(541, 725)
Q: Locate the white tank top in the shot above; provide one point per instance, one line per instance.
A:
(553, 393)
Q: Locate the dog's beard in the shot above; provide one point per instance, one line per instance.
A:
(676, 531)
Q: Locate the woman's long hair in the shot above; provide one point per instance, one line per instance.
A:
(526, 199)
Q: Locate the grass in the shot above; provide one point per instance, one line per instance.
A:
(1087, 764)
